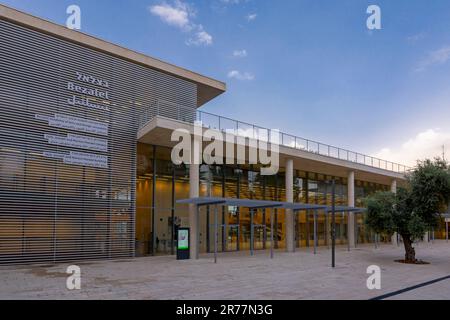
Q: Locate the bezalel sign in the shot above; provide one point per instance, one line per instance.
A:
(100, 93)
(98, 90)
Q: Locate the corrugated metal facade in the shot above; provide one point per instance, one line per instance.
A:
(68, 146)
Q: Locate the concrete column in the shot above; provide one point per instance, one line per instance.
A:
(289, 215)
(351, 203)
(194, 186)
(394, 239)
(394, 186)
(193, 217)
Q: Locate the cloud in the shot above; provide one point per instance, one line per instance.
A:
(426, 144)
(250, 17)
(234, 74)
(240, 53)
(435, 57)
(177, 15)
(180, 15)
(201, 37)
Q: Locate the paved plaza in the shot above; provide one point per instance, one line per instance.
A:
(299, 275)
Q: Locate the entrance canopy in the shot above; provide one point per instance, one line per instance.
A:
(255, 205)
(262, 204)
(243, 203)
(251, 204)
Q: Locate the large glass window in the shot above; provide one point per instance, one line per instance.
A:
(364, 189)
(158, 215)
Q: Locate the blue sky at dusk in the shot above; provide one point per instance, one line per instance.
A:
(309, 68)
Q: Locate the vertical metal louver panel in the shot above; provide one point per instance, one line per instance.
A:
(68, 173)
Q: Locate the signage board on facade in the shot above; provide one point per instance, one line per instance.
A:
(90, 126)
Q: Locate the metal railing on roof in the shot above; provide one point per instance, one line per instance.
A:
(213, 121)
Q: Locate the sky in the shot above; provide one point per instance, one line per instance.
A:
(310, 68)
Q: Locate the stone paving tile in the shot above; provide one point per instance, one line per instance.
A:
(299, 275)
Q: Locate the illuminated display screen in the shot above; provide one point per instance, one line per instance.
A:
(183, 239)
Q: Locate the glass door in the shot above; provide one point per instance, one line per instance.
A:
(260, 220)
(231, 237)
(259, 233)
(231, 229)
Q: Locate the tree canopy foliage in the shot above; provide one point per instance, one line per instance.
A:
(415, 207)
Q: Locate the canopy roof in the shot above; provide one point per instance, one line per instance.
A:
(252, 204)
(261, 204)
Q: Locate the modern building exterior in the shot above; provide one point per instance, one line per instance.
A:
(85, 167)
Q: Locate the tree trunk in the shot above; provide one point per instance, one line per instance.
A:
(410, 253)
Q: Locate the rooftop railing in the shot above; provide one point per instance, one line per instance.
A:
(209, 120)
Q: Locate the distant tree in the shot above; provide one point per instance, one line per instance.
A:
(415, 207)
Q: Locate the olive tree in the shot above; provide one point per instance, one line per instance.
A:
(414, 208)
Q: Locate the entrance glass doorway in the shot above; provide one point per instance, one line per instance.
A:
(231, 237)
(259, 234)
(229, 231)
(235, 230)
(256, 225)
